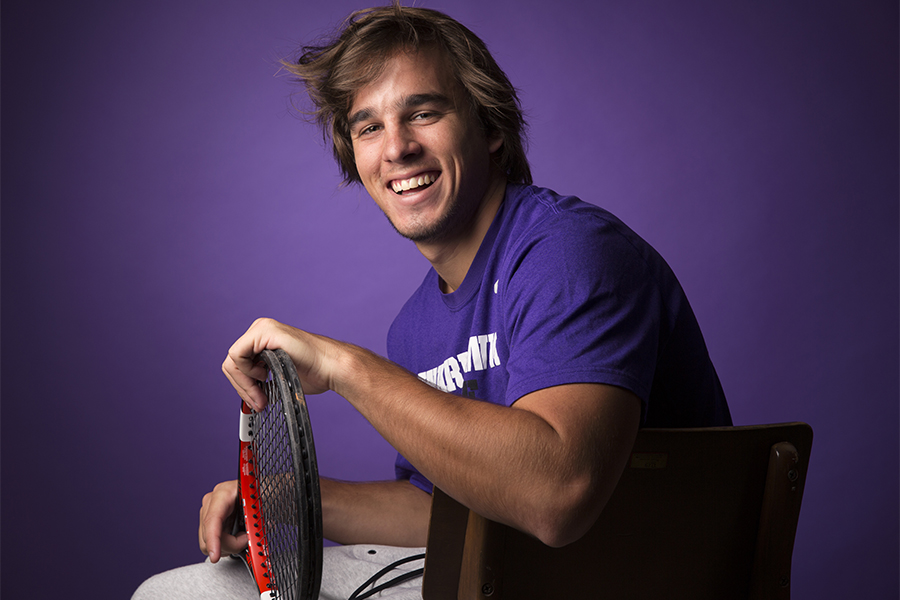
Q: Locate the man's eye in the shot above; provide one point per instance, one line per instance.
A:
(423, 116)
(367, 130)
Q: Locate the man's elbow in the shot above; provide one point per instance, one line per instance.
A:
(568, 516)
(564, 531)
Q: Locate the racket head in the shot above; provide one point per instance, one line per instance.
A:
(279, 483)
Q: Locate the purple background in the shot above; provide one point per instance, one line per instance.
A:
(158, 195)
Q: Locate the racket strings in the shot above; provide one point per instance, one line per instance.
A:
(275, 477)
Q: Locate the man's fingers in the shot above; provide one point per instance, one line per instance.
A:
(243, 366)
(246, 384)
(216, 515)
(213, 546)
(234, 544)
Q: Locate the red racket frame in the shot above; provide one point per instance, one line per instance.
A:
(253, 518)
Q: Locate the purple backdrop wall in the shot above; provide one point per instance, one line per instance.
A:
(158, 195)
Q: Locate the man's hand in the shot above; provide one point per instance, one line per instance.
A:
(310, 354)
(216, 520)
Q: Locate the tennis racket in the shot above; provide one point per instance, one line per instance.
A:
(279, 488)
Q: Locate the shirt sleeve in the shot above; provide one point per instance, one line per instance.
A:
(582, 306)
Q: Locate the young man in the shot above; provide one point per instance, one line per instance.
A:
(545, 335)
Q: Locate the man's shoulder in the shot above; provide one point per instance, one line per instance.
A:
(535, 213)
(545, 202)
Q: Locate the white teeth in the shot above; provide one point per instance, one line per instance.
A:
(412, 183)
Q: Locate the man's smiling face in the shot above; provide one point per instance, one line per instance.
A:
(419, 150)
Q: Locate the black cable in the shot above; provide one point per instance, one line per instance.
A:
(392, 582)
(360, 595)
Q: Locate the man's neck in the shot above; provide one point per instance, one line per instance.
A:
(452, 258)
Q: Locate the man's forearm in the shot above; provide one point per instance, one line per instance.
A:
(390, 513)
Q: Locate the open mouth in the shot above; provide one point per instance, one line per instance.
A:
(418, 182)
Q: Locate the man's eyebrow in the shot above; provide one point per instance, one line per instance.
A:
(420, 99)
(406, 102)
(360, 115)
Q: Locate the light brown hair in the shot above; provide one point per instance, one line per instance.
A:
(334, 71)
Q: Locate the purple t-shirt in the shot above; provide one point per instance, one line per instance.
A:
(560, 292)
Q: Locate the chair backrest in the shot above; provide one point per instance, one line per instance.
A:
(698, 513)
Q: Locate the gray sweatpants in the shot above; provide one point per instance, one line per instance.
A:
(344, 568)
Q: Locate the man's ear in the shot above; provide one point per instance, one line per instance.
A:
(495, 141)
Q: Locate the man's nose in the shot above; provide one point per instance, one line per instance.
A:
(400, 144)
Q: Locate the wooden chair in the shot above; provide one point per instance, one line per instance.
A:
(698, 513)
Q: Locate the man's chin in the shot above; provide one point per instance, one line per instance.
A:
(425, 232)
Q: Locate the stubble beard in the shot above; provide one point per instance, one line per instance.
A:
(437, 231)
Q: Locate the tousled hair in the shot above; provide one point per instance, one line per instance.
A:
(334, 71)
